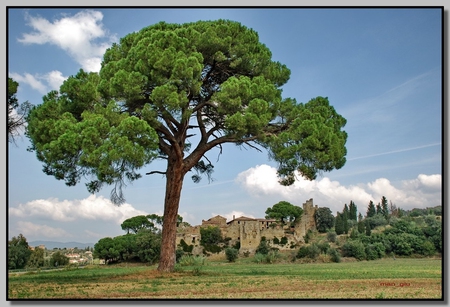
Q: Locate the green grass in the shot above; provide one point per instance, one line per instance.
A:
(242, 279)
(383, 268)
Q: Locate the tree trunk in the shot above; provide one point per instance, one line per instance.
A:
(174, 182)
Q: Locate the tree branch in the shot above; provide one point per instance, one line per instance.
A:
(202, 128)
(252, 146)
(156, 172)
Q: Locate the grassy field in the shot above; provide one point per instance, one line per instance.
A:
(382, 279)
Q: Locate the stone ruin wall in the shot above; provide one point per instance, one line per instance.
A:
(250, 236)
(249, 232)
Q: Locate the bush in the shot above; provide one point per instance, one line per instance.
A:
(178, 254)
(186, 248)
(259, 258)
(231, 254)
(314, 251)
(354, 233)
(303, 252)
(428, 248)
(310, 251)
(323, 247)
(284, 241)
(189, 260)
(211, 248)
(276, 240)
(354, 248)
(335, 255)
(376, 220)
(272, 256)
(374, 251)
(308, 236)
(331, 236)
(59, 259)
(263, 247)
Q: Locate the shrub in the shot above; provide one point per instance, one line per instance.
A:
(272, 256)
(259, 258)
(308, 236)
(354, 234)
(231, 254)
(178, 254)
(323, 247)
(314, 251)
(284, 241)
(303, 252)
(276, 240)
(377, 220)
(189, 260)
(212, 248)
(428, 248)
(263, 247)
(310, 251)
(331, 236)
(186, 248)
(59, 259)
(354, 248)
(335, 255)
(371, 253)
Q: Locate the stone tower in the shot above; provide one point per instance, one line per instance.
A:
(307, 220)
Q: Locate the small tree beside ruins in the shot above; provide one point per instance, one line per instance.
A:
(285, 212)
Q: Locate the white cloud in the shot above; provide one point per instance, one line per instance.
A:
(78, 35)
(43, 83)
(29, 229)
(187, 217)
(31, 80)
(432, 182)
(91, 208)
(54, 79)
(262, 182)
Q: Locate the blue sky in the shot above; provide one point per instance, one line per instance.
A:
(380, 68)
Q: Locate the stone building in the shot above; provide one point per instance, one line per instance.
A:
(249, 231)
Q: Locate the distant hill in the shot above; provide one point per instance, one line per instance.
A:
(53, 244)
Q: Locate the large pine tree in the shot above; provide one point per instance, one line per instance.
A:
(174, 92)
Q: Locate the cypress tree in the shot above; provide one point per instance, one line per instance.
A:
(352, 211)
(384, 207)
(361, 227)
(371, 209)
(345, 217)
(379, 210)
(339, 224)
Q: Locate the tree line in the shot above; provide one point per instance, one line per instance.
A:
(400, 232)
(20, 255)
